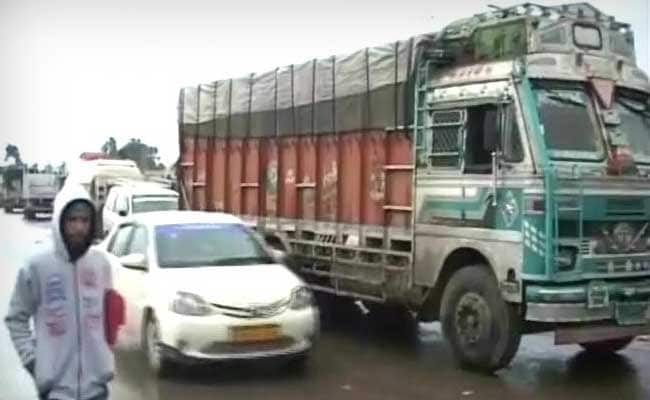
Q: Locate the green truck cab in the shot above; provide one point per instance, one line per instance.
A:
(532, 162)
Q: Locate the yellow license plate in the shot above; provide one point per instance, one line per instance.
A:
(257, 333)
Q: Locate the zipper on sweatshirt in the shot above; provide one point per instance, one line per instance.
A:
(78, 315)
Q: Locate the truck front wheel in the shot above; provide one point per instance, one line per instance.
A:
(483, 330)
(607, 346)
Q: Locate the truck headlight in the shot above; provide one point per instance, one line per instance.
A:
(301, 298)
(191, 304)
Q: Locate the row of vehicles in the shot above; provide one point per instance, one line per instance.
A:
(493, 176)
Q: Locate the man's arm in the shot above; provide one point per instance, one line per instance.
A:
(22, 307)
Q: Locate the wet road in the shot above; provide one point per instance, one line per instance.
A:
(354, 360)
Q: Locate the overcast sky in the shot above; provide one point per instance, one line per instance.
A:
(73, 73)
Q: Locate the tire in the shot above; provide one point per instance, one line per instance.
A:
(298, 363)
(607, 346)
(483, 330)
(159, 364)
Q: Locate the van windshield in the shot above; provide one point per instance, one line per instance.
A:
(147, 203)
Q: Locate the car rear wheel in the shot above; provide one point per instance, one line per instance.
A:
(607, 346)
(158, 362)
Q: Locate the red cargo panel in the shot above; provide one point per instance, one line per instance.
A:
(328, 179)
(219, 173)
(271, 178)
(200, 174)
(374, 179)
(350, 182)
(251, 182)
(187, 170)
(307, 182)
(234, 170)
(288, 178)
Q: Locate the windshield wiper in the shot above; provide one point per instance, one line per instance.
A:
(564, 98)
(242, 260)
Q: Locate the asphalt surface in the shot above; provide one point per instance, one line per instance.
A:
(355, 359)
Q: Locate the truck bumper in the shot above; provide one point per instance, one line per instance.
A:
(624, 303)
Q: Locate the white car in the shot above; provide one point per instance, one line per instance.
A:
(127, 199)
(202, 286)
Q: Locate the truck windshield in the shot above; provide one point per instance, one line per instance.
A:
(570, 125)
(634, 113)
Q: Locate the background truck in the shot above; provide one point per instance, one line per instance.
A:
(39, 191)
(493, 176)
(12, 187)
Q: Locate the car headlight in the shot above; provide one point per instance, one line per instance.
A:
(191, 304)
(301, 298)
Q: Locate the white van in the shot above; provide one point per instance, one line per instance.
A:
(128, 198)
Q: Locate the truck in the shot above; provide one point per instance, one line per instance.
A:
(38, 192)
(12, 188)
(493, 176)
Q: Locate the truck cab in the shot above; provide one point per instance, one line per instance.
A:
(532, 153)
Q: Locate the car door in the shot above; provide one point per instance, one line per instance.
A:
(109, 212)
(123, 278)
(137, 277)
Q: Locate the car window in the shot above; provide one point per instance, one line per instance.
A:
(110, 200)
(204, 245)
(118, 245)
(139, 241)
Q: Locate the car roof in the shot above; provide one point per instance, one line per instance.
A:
(173, 217)
(144, 188)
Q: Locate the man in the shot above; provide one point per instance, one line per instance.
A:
(64, 287)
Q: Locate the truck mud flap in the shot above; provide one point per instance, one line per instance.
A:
(584, 334)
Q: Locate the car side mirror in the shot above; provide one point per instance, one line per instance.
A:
(279, 256)
(134, 261)
(122, 213)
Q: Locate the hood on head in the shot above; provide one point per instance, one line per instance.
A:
(70, 193)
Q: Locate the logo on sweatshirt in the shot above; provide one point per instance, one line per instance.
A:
(55, 299)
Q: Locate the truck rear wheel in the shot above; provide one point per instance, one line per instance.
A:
(607, 346)
(483, 330)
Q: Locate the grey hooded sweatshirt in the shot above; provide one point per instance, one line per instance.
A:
(64, 295)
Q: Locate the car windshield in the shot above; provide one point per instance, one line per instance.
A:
(205, 245)
(570, 125)
(635, 123)
(147, 204)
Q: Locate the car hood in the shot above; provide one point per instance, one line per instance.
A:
(238, 286)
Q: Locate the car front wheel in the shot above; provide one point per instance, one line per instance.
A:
(158, 363)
